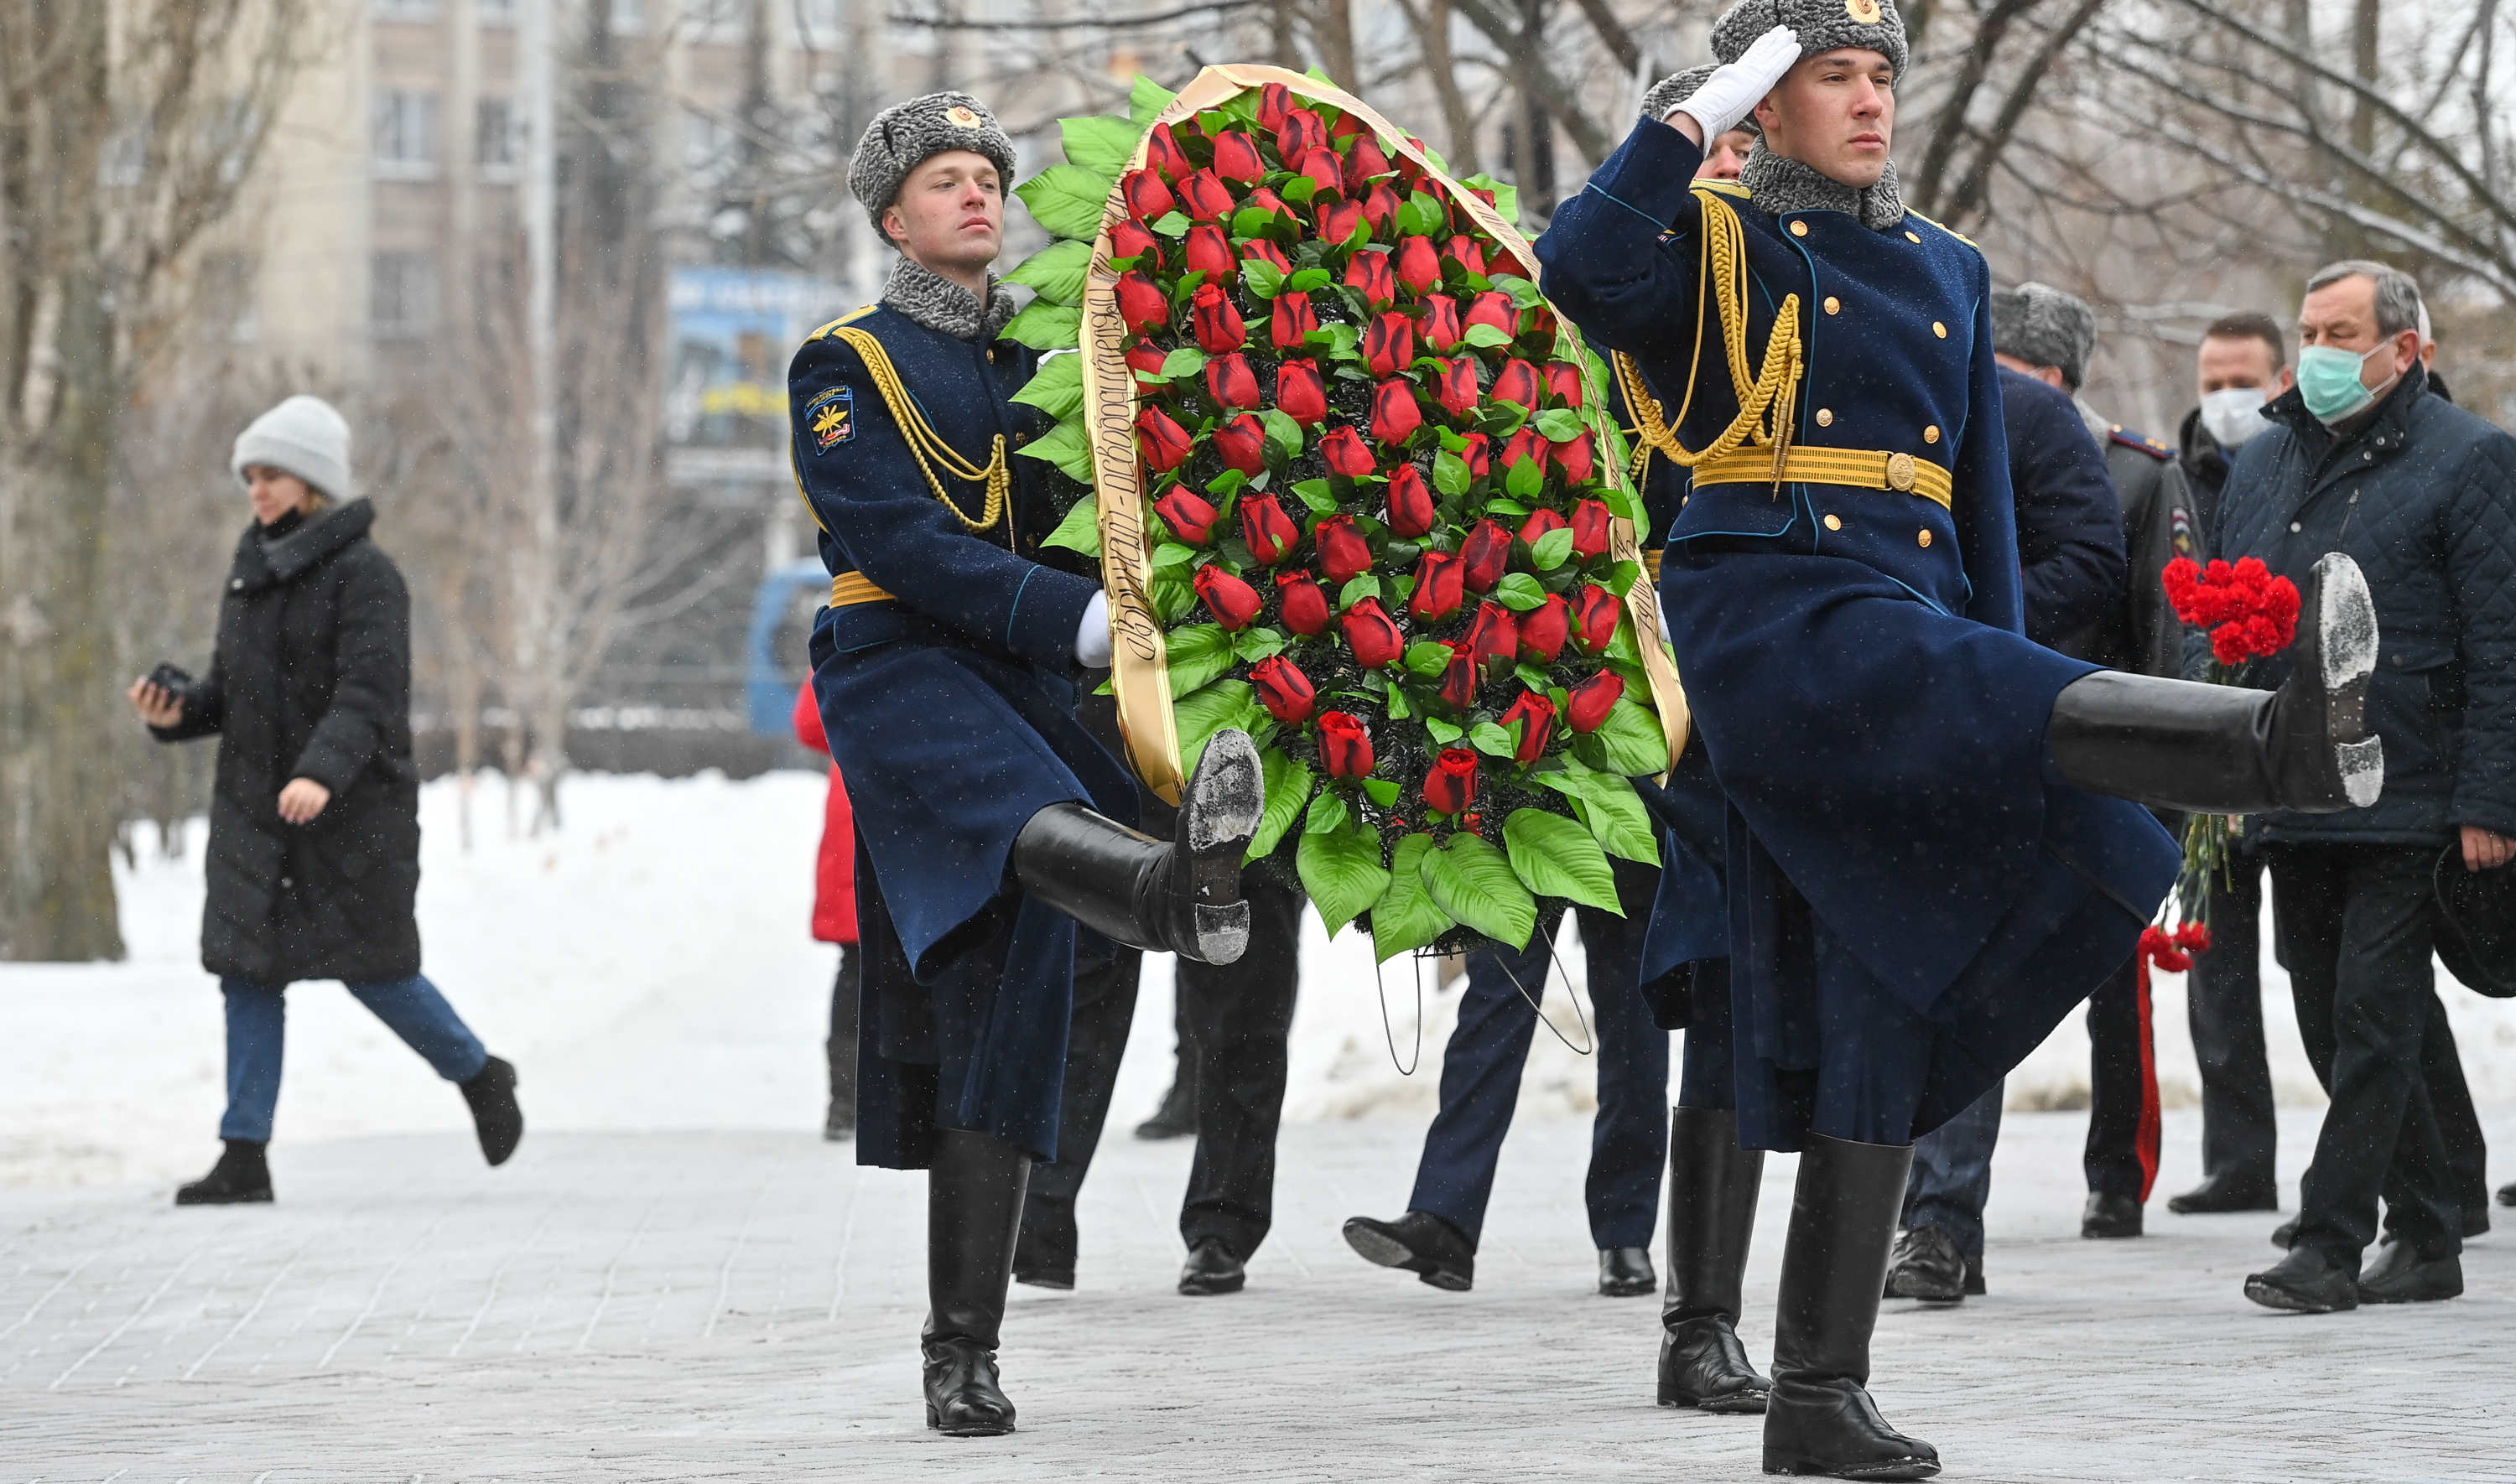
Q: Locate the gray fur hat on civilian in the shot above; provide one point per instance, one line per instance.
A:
(303, 435)
(1821, 26)
(2043, 327)
(907, 134)
(1678, 86)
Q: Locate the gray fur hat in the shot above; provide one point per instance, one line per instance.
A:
(2043, 327)
(1820, 25)
(907, 134)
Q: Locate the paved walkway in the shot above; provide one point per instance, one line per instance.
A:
(743, 1306)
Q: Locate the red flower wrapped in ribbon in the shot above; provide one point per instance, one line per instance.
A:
(1260, 250)
(1270, 534)
(1162, 153)
(1452, 786)
(1458, 689)
(1305, 607)
(1364, 163)
(1590, 529)
(1478, 456)
(1527, 444)
(1493, 635)
(1454, 385)
(1205, 198)
(1146, 358)
(1389, 343)
(1419, 266)
(1341, 222)
(1301, 132)
(1345, 745)
(1128, 241)
(1535, 715)
(1540, 524)
(1319, 166)
(2250, 613)
(1441, 329)
(1564, 380)
(1232, 602)
(1275, 103)
(1283, 689)
(1380, 208)
(1594, 618)
(1464, 250)
(1574, 458)
(1147, 198)
(1494, 308)
(1517, 383)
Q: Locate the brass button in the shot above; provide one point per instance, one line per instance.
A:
(1833, 305)
(1931, 435)
(1825, 417)
(1912, 236)
(1834, 522)
(1939, 329)
(1925, 537)
(1800, 229)
(1901, 472)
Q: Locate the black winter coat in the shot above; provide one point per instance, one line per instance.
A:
(2423, 498)
(2069, 521)
(311, 679)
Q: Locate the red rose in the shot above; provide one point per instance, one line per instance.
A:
(1236, 158)
(1306, 608)
(1395, 417)
(1575, 459)
(1346, 126)
(1343, 553)
(1438, 593)
(1442, 330)
(1541, 321)
(1261, 249)
(1142, 304)
(1267, 200)
(1372, 635)
(1298, 134)
(1269, 533)
(1539, 524)
(1319, 164)
(1187, 513)
(1544, 628)
(1454, 385)
(1242, 444)
(1589, 528)
(1345, 747)
(1484, 195)
(1348, 454)
(1146, 359)
(1301, 393)
(1494, 308)
(1369, 276)
(1230, 382)
(1458, 689)
(1595, 617)
(1484, 556)
(1206, 198)
(1362, 162)
(1493, 633)
(1165, 442)
(1389, 343)
(1275, 101)
(1410, 169)
(1283, 689)
(1478, 456)
(1452, 786)
(1535, 714)
(1216, 321)
(1380, 209)
(1231, 602)
(1564, 378)
(1592, 700)
(1128, 241)
(1210, 251)
(1526, 444)
(1517, 383)
(1419, 265)
(1464, 250)
(1163, 154)
(1292, 319)
(1411, 503)
(1339, 220)
(1147, 200)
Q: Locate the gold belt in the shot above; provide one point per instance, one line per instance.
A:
(1855, 468)
(848, 589)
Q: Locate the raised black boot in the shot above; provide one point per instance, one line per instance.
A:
(1821, 1419)
(1712, 1186)
(974, 1201)
(240, 1178)
(1182, 897)
(2223, 750)
(496, 1116)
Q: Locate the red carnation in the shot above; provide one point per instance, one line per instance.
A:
(1231, 602)
(1187, 513)
(1493, 633)
(1454, 385)
(1283, 689)
(1372, 635)
(1589, 527)
(1230, 382)
(1441, 329)
(1517, 383)
(1291, 321)
(1147, 200)
(1369, 274)
(1242, 444)
(1305, 606)
(1236, 158)
(1464, 250)
(1206, 198)
(1345, 746)
(1319, 164)
(1389, 343)
(1459, 689)
(1419, 265)
(1362, 162)
(1339, 220)
(2249, 612)
(1165, 442)
(1300, 133)
(1544, 628)
(1269, 533)
(1595, 617)
(1216, 321)
(1437, 591)
(1592, 700)
(1275, 101)
(1347, 453)
(1301, 393)
(1395, 417)
(1452, 786)
(1535, 714)
(1539, 526)
(1564, 378)
(1575, 459)
(1142, 304)
(1163, 154)
(1129, 240)
(1411, 503)
(1494, 308)
(1343, 553)
(1484, 556)
(1210, 251)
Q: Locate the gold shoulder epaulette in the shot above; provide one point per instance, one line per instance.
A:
(1951, 231)
(1726, 187)
(850, 317)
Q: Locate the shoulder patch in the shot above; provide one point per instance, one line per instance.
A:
(1952, 232)
(831, 418)
(2140, 441)
(2180, 526)
(850, 317)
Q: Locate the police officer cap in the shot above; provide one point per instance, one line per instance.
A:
(1821, 26)
(1677, 87)
(2043, 327)
(907, 134)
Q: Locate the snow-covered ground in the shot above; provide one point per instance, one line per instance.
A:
(649, 967)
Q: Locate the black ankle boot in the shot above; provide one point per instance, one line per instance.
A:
(2223, 750)
(496, 1116)
(974, 1201)
(1180, 897)
(1821, 1419)
(240, 1178)
(1712, 1186)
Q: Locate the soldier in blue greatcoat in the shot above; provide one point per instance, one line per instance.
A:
(1931, 848)
(988, 820)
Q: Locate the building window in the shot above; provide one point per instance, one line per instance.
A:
(406, 10)
(405, 135)
(494, 143)
(402, 296)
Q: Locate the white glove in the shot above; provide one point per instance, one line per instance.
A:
(1734, 90)
(1092, 646)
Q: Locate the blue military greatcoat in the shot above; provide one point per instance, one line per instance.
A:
(943, 668)
(1915, 900)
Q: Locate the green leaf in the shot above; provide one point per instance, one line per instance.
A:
(1174, 553)
(1622, 576)
(1551, 548)
(1223, 486)
(1427, 658)
(1306, 280)
(1473, 881)
(1198, 654)
(1488, 337)
(1616, 817)
(1396, 705)
(1443, 732)
(1171, 223)
(1299, 190)
(1625, 505)
(1288, 788)
(1146, 100)
(1046, 326)
(1383, 791)
(1523, 292)
(1524, 480)
(1201, 714)
(1173, 597)
(1255, 644)
(1316, 494)
(1056, 388)
(1055, 270)
(1406, 918)
(1506, 197)
(1252, 222)
(1519, 591)
(1561, 424)
(1284, 433)
(1067, 201)
(1420, 216)
(1187, 361)
(1635, 745)
(1328, 813)
(1357, 589)
(1450, 473)
(1065, 446)
(1262, 277)
(1555, 856)
(1080, 531)
(1101, 144)
(1492, 740)
(1342, 873)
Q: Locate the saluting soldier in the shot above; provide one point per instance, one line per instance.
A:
(986, 814)
(1922, 875)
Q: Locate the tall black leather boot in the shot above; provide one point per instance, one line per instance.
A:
(1821, 1419)
(1182, 897)
(1712, 1186)
(974, 1201)
(2221, 750)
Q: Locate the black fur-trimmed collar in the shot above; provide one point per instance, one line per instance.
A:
(1781, 184)
(944, 306)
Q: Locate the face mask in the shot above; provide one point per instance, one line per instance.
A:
(2234, 414)
(2327, 377)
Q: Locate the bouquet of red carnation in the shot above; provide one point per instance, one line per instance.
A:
(2250, 614)
(1354, 492)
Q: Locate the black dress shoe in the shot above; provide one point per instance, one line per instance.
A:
(2399, 1274)
(240, 1178)
(1928, 1267)
(1175, 1118)
(2305, 1282)
(2476, 1221)
(2226, 1192)
(1626, 1272)
(1211, 1268)
(1420, 1242)
(2507, 1194)
(2107, 1217)
(2285, 1235)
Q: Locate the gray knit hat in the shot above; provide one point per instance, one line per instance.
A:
(907, 134)
(2043, 327)
(1821, 26)
(303, 435)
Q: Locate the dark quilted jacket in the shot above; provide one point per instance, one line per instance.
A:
(2423, 498)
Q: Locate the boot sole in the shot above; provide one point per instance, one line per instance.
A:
(2346, 638)
(1742, 1403)
(1219, 814)
(1388, 1252)
(1901, 1468)
(257, 1198)
(2281, 1299)
(968, 1429)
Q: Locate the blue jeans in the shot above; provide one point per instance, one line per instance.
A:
(1951, 1176)
(257, 1030)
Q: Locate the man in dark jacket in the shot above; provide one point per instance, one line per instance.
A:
(2423, 495)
